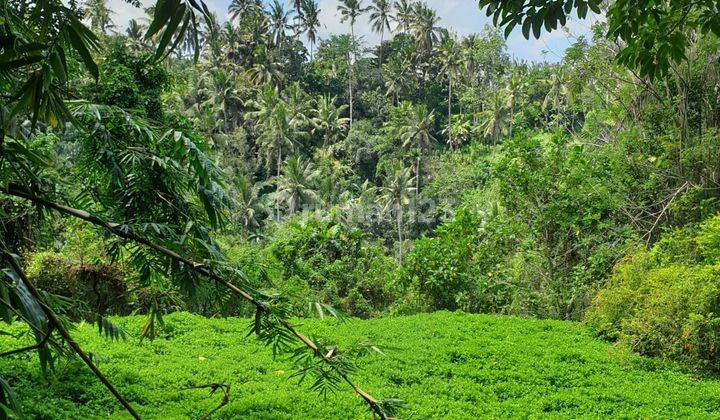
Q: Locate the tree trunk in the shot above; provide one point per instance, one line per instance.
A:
(351, 63)
(382, 33)
(449, 126)
(399, 229)
(277, 196)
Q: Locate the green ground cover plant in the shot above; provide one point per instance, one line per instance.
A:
(443, 365)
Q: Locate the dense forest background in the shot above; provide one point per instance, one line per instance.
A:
(429, 172)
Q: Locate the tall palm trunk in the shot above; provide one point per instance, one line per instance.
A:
(277, 196)
(351, 63)
(449, 126)
(382, 33)
(399, 230)
(417, 186)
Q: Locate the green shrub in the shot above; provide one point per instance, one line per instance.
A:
(335, 265)
(666, 301)
(99, 287)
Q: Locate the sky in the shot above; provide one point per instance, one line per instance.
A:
(461, 16)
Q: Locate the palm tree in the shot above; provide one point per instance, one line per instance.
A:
(349, 11)
(265, 70)
(99, 14)
(462, 129)
(238, 8)
(295, 185)
(247, 206)
(560, 94)
(222, 95)
(274, 125)
(380, 17)
(404, 15)
(496, 116)
(327, 119)
(425, 26)
(395, 194)
(416, 131)
(310, 21)
(395, 74)
(135, 33)
(450, 58)
(279, 21)
(514, 89)
(298, 105)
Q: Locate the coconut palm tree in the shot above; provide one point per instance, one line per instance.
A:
(495, 119)
(350, 10)
(298, 105)
(310, 21)
(265, 70)
(279, 21)
(404, 15)
(425, 27)
(135, 33)
(450, 58)
(327, 119)
(514, 90)
(247, 207)
(462, 130)
(395, 74)
(296, 184)
(380, 17)
(416, 132)
(394, 195)
(237, 8)
(222, 95)
(559, 94)
(98, 12)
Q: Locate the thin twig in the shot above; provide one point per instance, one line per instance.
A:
(662, 212)
(214, 387)
(35, 346)
(201, 269)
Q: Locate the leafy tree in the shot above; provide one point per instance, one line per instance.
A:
(350, 10)
(404, 15)
(655, 33)
(310, 21)
(451, 59)
(98, 12)
(279, 20)
(295, 184)
(398, 187)
(328, 119)
(380, 16)
(495, 119)
(416, 131)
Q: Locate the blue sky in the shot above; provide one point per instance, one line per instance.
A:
(461, 16)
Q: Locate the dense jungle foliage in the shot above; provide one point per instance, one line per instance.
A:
(245, 166)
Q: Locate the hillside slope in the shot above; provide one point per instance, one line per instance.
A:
(444, 365)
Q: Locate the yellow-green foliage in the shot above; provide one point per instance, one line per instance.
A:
(665, 301)
(444, 365)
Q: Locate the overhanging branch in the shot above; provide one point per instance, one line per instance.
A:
(201, 269)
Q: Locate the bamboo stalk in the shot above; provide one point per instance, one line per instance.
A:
(55, 322)
(202, 270)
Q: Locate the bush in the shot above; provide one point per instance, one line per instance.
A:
(335, 265)
(664, 302)
(99, 287)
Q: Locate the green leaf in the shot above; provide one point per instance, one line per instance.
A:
(170, 31)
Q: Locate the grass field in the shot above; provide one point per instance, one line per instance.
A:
(444, 365)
